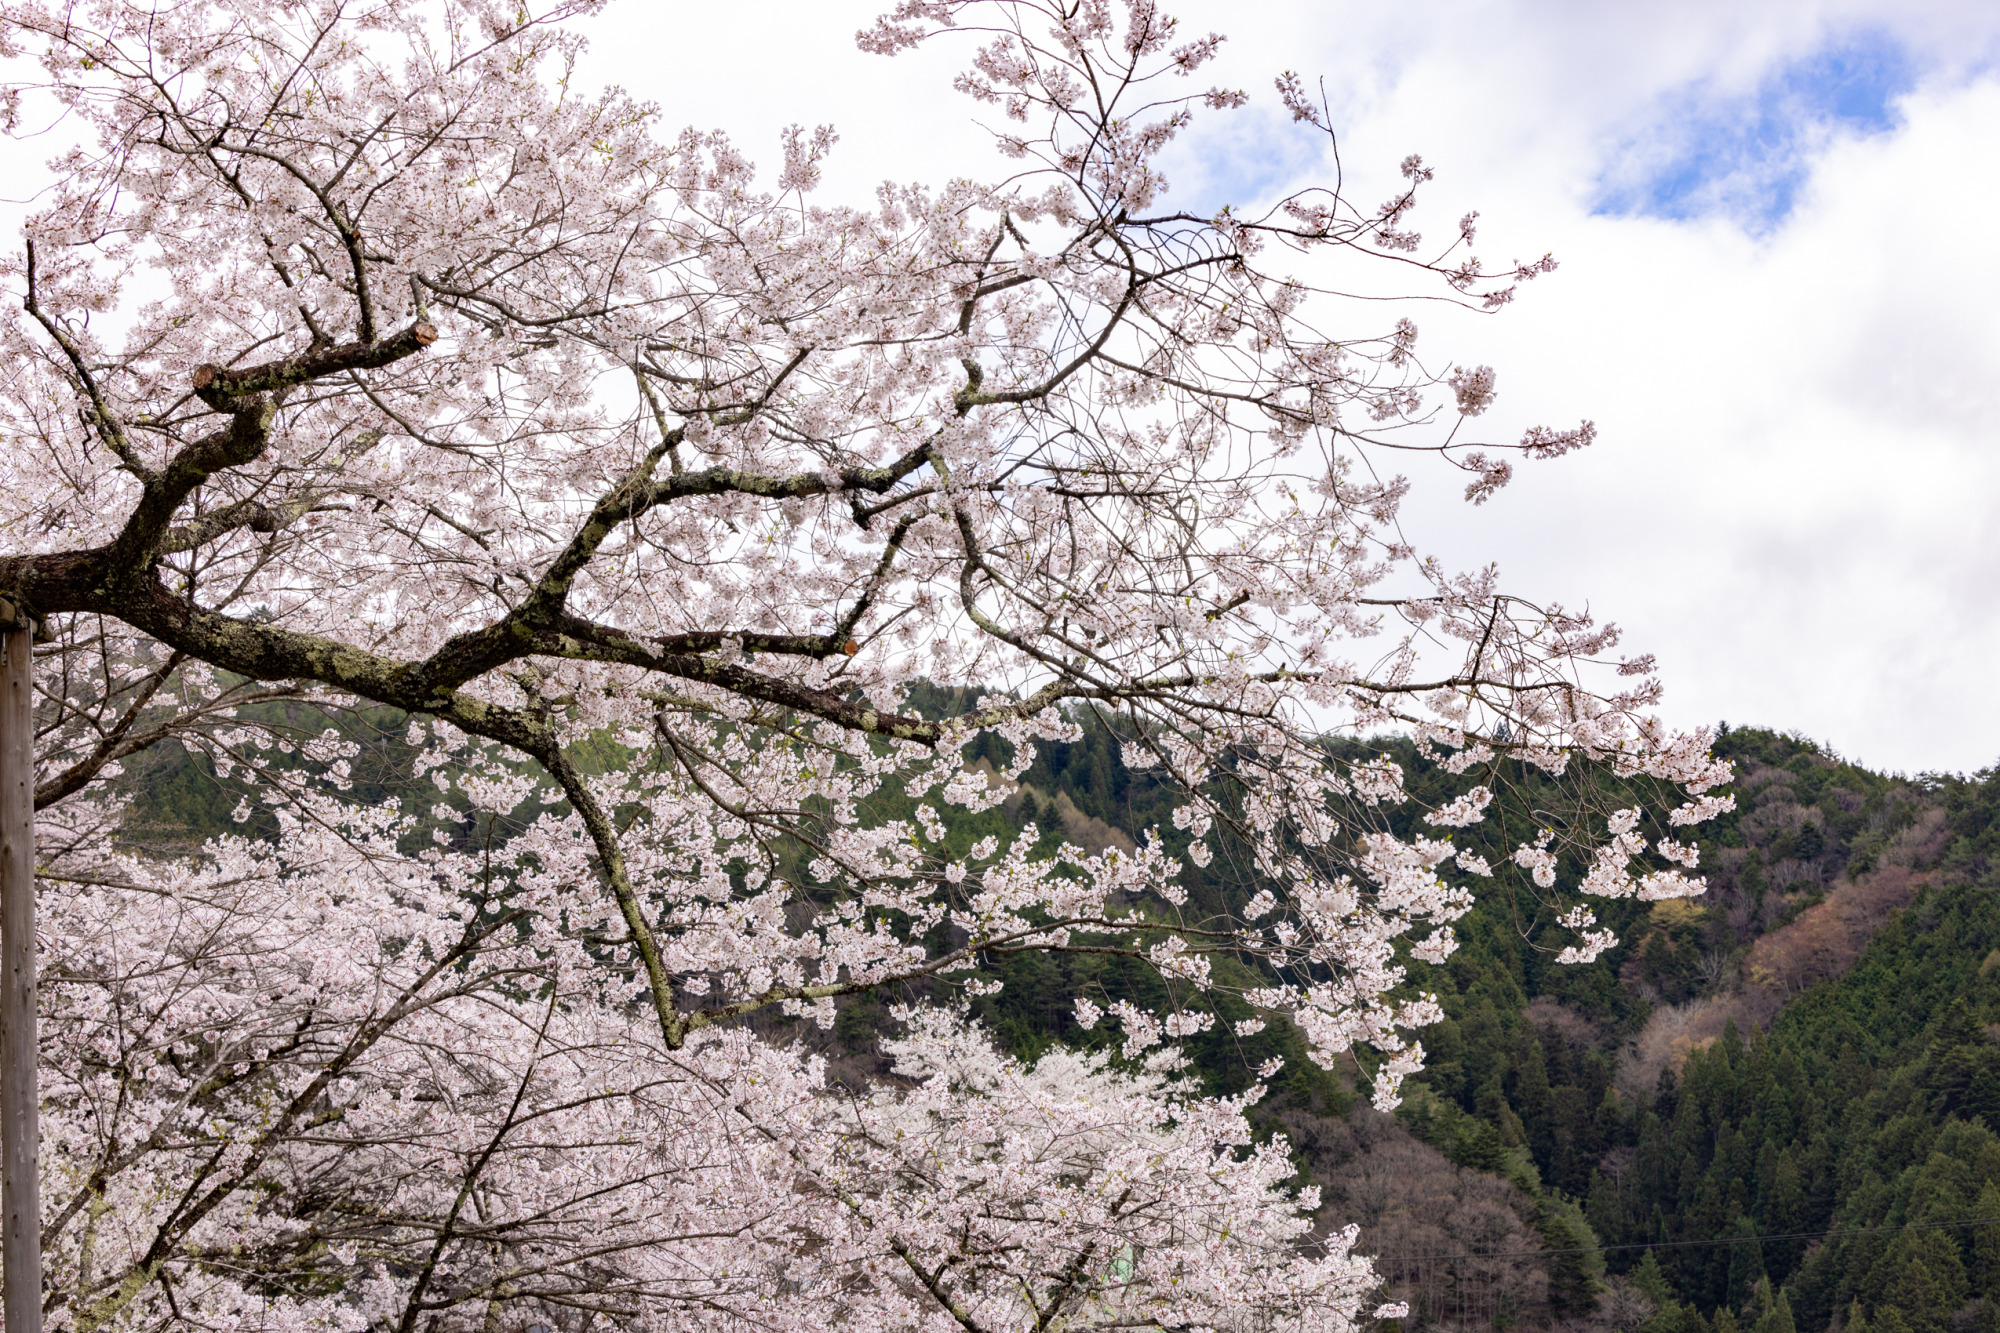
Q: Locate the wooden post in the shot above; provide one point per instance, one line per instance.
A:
(20, 1102)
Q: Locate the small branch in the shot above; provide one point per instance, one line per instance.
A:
(106, 424)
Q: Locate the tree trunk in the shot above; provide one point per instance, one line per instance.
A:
(20, 1183)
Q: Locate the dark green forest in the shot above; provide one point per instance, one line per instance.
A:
(1772, 1108)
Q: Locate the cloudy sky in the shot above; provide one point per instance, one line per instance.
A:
(1779, 298)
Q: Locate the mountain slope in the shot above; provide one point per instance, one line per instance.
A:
(1804, 1049)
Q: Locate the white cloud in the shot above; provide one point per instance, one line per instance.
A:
(1791, 501)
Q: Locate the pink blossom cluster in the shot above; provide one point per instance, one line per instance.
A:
(392, 1094)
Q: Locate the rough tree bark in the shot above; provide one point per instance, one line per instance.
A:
(20, 1184)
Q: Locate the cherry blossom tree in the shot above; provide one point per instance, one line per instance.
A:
(359, 357)
(312, 1083)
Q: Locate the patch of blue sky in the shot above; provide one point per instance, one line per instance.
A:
(1240, 159)
(1746, 156)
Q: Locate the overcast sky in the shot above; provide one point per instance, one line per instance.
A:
(1777, 298)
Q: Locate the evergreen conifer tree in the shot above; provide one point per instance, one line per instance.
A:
(1917, 1294)
(1649, 1278)
(1573, 1287)
(1985, 1243)
(1746, 1265)
(1779, 1318)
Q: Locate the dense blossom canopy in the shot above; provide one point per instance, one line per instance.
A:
(359, 357)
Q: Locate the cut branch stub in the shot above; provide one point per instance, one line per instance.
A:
(14, 615)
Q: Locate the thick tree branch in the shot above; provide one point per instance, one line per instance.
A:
(221, 387)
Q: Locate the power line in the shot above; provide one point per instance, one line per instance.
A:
(1689, 1244)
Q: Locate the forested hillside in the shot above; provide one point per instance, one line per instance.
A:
(1806, 1055)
